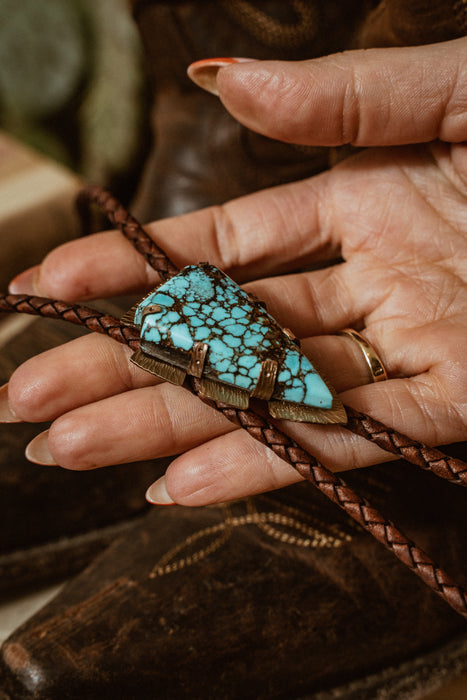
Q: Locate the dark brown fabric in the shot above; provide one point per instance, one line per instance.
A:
(330, 623)
(273, 597)
(413, 22)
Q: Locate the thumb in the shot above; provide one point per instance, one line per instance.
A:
(374, 97)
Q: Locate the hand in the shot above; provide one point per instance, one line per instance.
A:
(396, 215)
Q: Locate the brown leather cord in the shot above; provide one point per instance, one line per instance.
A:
(429, 458)
(260, 428)
(128, 225)
(354, 505)
(73, 313)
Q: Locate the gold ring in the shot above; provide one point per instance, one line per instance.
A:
(373, 360)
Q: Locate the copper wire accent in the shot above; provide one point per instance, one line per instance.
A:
(197, 359)
(266, 381)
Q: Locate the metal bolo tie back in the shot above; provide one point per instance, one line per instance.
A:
(201, 323)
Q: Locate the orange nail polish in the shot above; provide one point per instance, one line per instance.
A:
(204, 72)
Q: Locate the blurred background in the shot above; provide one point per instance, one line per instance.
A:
(72, 85)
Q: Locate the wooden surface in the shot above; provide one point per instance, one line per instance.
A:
(37, 210)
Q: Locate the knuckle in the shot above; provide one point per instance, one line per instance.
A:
(68, 444)
(27, 393)
(59, 279)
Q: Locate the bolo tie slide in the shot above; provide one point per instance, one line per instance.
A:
(199, 329)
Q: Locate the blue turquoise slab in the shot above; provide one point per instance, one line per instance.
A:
(202, 304)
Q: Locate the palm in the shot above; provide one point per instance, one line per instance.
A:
(400, 214)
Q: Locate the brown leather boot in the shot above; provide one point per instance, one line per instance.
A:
(280, 596)
(201, 155)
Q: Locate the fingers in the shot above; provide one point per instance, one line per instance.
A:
(148, 423)
(92, 368)
(372, 97)
(145, 423)
(323, 301)
(95, 368)
(235, 465)
(261, 234)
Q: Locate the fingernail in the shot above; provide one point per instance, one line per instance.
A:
(7, 415)
(38, 450)
(157, 494)
(204, 72)
(25, 282)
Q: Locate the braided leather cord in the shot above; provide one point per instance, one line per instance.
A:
(258, 427)
(429, 458)
(73, 313)
(128, 225)
(346, 498)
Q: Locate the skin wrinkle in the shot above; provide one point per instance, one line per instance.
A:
(445, 164)
(124, 370)
(423, 196)
(425, 404)
(455, 409)
(163, 418)
(278, 89)
(224, 237)
(351, 118)
(427, 199)
(310, 302)
(326, 216)
(260, 77)
(342, 192)
(459, 108)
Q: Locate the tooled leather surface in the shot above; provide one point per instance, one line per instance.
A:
(258, 427)
(326, 614)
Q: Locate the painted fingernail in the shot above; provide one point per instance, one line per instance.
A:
(25, 282)
(157, 494)
(204, 72)
(38, 450)
(7, 415)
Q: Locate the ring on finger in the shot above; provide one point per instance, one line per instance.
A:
(375, 364)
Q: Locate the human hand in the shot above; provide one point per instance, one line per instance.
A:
(397, 217)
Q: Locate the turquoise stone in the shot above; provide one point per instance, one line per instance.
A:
(202, 304)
